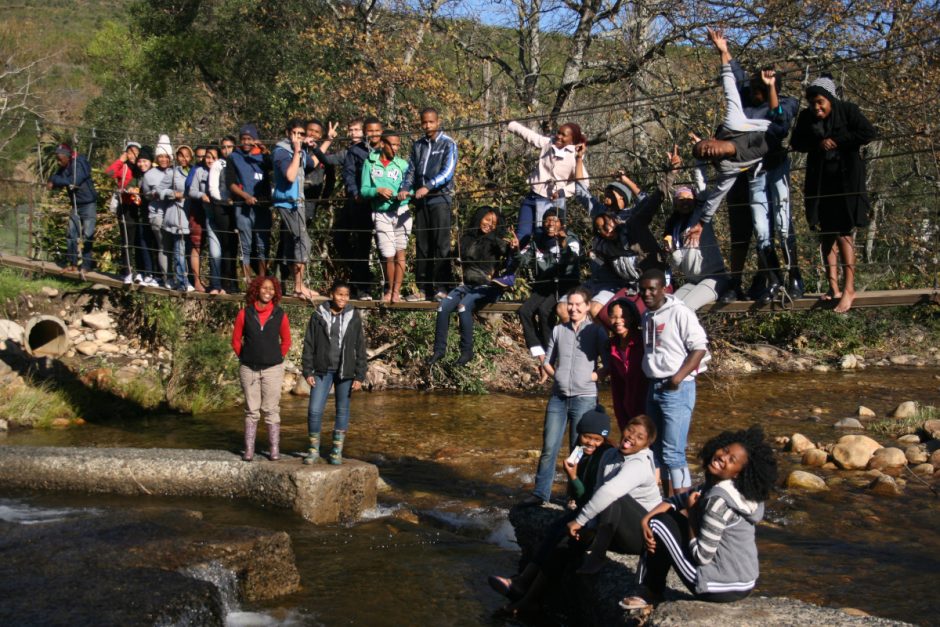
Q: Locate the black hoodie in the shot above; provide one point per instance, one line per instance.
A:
(482, 255)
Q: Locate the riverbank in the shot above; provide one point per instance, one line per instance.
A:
(144, 353)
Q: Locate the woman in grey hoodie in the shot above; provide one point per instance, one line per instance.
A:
(713, 548)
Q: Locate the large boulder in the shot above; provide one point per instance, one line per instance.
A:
(755, 611)
(10, 330)
(97, 320)
(887, 457)
(852, 452)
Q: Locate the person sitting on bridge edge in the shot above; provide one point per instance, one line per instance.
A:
(483, 254)
(74, 175)
(261, 339)
(739, 144)
(382, 176)
(430, 175)
(554, 176)
(334, 356)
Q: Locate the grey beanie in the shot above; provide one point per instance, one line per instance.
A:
(248, 129)
(823, 86)
(621, 189)
(595, 421)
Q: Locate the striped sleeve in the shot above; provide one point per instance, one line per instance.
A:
(447, 171)
(716, 517)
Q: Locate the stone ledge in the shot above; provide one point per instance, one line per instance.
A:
(320, 493)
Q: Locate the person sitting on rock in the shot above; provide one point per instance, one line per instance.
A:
(583, 469)
(708, 534)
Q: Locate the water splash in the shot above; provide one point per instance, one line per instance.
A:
(24, 514)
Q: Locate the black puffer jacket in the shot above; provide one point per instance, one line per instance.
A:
(483, 255)
(316, 354)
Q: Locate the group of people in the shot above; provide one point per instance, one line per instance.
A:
(173, 203)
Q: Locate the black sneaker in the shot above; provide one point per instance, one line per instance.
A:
(433, 359)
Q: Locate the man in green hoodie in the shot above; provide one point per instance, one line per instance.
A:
(382, 175)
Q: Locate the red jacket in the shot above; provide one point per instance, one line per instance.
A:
(122, 172)
(627, 382)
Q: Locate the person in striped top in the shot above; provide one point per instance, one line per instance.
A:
(707, 534)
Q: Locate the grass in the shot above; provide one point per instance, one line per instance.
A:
(15, 282)
(144, 390)
(901, 426)
(204, 376)
(34, 405)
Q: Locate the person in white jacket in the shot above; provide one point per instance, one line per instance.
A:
(675, 350)
(553, 178)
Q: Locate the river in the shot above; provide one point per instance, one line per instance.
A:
(455, 463)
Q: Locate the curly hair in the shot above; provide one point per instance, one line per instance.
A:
(760, 472)
(254, 289)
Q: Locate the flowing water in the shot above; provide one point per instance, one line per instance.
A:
(454, 464)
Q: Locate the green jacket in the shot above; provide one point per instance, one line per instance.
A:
(376, 175)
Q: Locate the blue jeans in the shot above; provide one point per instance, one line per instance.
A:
(561, 411)
(531, 210)
(81, 225)
(318, 397)
(215, 251)
(174, 247)
(769, 193)
(463, 299)
(671, 411)
(254, 229)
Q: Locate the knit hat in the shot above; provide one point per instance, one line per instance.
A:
(164, 147)
(146, 152)
(248, 129)
(595, 421)
(621, 189)
(63, 149)
(823, 86)
(685, 189)
(130, 145)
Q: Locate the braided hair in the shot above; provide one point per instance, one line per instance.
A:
(759, 474)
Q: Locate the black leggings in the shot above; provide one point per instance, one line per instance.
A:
(672, 550)
(625, 517)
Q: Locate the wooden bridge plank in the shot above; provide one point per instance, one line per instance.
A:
(874, 298)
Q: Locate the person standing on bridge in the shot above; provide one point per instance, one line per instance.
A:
(74, 175)
(833, 132)
(261, 339)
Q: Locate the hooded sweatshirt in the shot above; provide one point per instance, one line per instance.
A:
(157, 188)
(618, 476)
(669, 334)
(287, 194)
(76, 178)
(482, 255)
(724, 548)
(175, 219)
(376, 174)
(573, 353)
(315, 358)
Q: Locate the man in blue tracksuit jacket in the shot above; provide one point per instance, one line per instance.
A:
(74, 174)
(430, 173)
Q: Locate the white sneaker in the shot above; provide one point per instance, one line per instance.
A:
(150, 282)
(138, 278)
(129, 279)
(190, 288)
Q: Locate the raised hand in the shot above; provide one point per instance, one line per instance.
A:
(331, 131)
(674, 159)
(768, 77)
(718, 39)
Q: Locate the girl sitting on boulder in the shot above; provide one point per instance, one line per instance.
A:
(708, 534)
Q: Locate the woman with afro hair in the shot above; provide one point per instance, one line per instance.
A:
(707, 534)
(261, 338)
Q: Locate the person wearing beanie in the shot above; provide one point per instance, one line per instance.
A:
(74, 175)
(158, 192)
(583, 470)
(832, 133)
(247, 174)
(702, 268)
(553, 179)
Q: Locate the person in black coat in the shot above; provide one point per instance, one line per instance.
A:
(832, 132)
(334, 356)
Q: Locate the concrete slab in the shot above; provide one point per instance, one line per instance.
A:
(320, 493)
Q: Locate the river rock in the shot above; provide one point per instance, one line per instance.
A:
(105, 335)
(885, 486)
(111, 349)
(916, 454)
(849, 362)
(801, 480)
(924, 470)
(815, 457)
(4, 425)
(910, 438)
(904, 410)
(849, 423)
(754, 611)
(301, 387)
(123, 567)
(852, 452)
(97, 320)
(11, 331)
(87, 348)
(864, 412)
(822, 368)
(74, 334)
(887, 457)
(799, 443)
(935, 458)
(932, 426)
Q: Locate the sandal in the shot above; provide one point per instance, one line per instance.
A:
(503, 585)
(632, 604)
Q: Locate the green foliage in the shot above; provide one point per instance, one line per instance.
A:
(34, 405)
(144, 390)
(14, 282)
(895, 427)
(205, 374)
